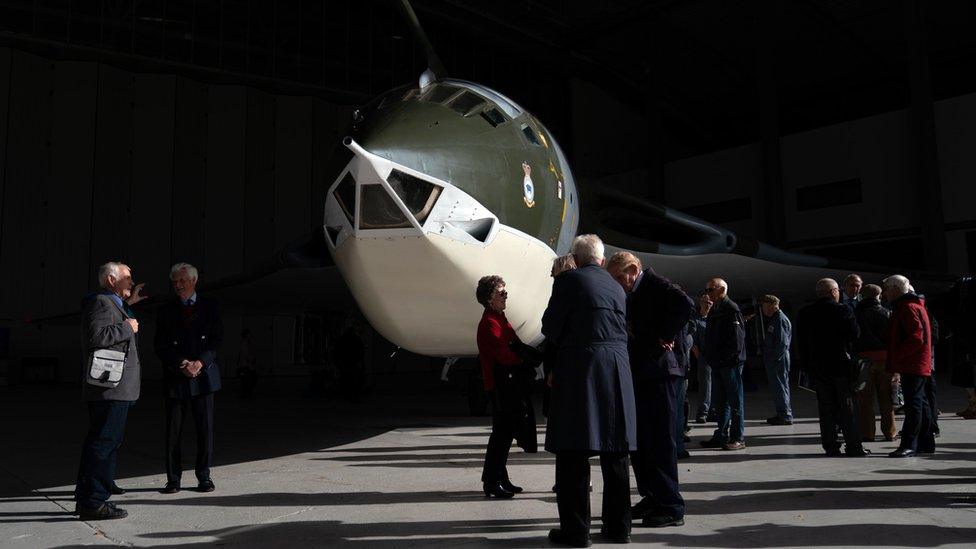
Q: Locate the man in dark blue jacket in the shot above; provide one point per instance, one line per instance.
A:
(724, 347)
(188, 333)
(826, 333)
(591, 409)
(656, 313)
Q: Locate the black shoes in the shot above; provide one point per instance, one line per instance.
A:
(712, 443)
(833, 452)
(858, 452)
(644, 507)
(660, 521)
(776, 420)
(559, 537)
(507, 484)
(902, 453)
(206, 486)
(170, 488)
(700, 419)
(115, 490)
(608, 537)
(107, 511)
(497, 491)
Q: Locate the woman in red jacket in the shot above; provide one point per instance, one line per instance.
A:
(507, 380)
(910, 356)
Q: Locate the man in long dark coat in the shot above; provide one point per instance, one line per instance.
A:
(592, 404)
(657, 310)
(189, 332)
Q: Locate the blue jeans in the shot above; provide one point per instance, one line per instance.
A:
(728, 396)
(704, 387)
(916, 431)
(96, 473)
(778, 373)
(679, 415)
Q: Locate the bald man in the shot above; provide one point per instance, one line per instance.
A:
(826, 333)
(724, 347)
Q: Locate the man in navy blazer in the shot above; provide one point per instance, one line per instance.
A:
(657, 310)
(188, 333)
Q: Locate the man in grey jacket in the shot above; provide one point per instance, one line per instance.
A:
(107, 324)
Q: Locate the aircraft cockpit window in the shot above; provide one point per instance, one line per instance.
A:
(345, 195)
(440, 93)
(417, 195)
(378, 210)
(493, 116)
(530, 135)
(466, 102)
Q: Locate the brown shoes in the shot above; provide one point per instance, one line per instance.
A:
(737, 445)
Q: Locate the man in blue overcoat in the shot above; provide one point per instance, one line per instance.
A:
(592, 403)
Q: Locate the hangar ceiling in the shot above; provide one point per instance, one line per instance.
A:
(831, 60)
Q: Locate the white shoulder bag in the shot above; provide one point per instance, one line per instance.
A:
(105, 367)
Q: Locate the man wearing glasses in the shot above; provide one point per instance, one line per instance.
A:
(723, 345)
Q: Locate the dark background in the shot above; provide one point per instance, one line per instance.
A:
(202, 131)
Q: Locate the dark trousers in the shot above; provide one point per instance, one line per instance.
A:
(96, 472)
(729, 402)
(932, 402)
(503, 426)
(177, 409)
(680, 419)
(655, 462)
(704, 387)
(835, 403)
(916, 431)
(573, 497)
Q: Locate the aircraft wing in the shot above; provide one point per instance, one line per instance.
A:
(689, 251)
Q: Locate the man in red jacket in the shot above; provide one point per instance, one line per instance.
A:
(910, 356)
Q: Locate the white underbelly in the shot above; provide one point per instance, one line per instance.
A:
(419, 291)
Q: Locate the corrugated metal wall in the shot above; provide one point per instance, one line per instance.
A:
(99, 164)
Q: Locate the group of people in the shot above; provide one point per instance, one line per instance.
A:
(619, 341)
(189, 332)
(617, 352)
(858, 352)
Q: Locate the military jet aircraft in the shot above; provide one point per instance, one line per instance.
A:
(448, 180)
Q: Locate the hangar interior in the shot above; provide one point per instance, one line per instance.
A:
(177, 130)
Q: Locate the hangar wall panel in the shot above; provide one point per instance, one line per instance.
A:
(189, 171)
(224, 197)
(874, 150)
(67, 271)
(150, 235)
(325, 139)
(5, 54)
(259, 180)
(25, 215)
(955, 122)
(111, 206)
(292, 169)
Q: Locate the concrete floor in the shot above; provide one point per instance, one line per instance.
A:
(404, 471)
